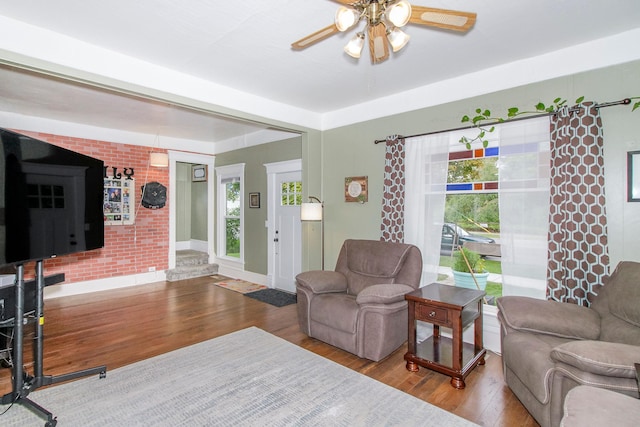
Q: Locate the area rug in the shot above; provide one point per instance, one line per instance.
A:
(247, 378)
(240, 285)
(274, 297)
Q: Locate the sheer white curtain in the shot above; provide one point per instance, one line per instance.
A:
(524, 170)
(426, 162)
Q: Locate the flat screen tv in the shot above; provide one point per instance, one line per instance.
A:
(50, 200)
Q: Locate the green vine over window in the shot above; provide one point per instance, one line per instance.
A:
(485, 121)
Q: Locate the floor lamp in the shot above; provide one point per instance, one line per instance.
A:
(314, 212)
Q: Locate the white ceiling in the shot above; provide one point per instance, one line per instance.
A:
(235, 56)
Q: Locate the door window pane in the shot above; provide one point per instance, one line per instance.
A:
(291, 193)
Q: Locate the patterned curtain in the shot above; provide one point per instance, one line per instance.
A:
(578, 251)
(392, 227)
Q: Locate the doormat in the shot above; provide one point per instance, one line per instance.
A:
(274, 297)
(241, 286)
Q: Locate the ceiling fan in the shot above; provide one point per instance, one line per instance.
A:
(383, 20)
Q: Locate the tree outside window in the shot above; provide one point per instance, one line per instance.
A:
(232, 219)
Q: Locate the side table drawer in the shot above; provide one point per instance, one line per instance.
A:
(432, 314)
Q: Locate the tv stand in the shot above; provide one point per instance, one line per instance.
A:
(23, 383)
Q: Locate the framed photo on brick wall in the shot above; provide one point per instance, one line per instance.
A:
(119, 201)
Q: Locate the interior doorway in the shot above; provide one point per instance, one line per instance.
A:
(178, 163)
(191, 207)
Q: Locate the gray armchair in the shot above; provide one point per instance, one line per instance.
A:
(549, 348)
(360, 307)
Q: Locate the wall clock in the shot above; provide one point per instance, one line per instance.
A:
(154, 195)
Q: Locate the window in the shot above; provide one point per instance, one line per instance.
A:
(291, 193)
(472, 207)
(501, 193)
(230, 212)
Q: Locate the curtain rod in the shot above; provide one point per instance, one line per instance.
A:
(625, 101)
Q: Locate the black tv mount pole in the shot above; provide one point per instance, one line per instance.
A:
(23, 383)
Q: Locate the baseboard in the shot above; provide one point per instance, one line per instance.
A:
(194, 245)
(200, 245)
(237, 273)
(183, 246)
(491, 329)
(89, 286)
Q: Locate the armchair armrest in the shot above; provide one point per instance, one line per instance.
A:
(599, 357)
(549, 317)
(383, 294)
(322, 282)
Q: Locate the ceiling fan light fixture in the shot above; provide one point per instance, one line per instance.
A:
(346, 18)
(397, 39)
(355, 45)
(399, 13)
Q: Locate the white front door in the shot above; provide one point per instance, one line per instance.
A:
(284, 227)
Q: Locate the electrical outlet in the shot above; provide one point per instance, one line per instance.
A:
(151, 269)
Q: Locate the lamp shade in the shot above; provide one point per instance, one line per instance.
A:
(159, 160)
(346, 17)
(355, 45)
(398, 39)
(311, 211)
(399, 13)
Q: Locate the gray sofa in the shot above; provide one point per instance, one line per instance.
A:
(549, 348)
(360, 307)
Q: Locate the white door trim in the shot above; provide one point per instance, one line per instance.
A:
(272, 196)
(200, 159)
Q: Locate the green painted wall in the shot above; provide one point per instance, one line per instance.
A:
(191, 206)
(255, 180)
(198, 210)
(350, 151)
(183, 202)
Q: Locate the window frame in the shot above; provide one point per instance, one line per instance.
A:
(223, 174)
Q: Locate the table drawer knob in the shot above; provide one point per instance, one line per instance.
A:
(432, 314)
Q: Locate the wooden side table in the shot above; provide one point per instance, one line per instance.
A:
(450, 307)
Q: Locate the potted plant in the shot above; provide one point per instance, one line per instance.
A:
(468, 269)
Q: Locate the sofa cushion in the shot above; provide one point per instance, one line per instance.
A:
(371, 262)
(320, 282)
(599, 357)
(624, 292)
(549, 317)
(614, 329)
(527, 356)
(383, 294)
(338, 311)
(595, 407)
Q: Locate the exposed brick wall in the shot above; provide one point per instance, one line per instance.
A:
(128, 249)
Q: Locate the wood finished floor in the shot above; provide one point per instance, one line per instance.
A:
(123, 326)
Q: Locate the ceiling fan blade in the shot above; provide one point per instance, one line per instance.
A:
(378, 43)
(442, 18)
(314, 38)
